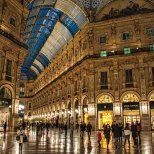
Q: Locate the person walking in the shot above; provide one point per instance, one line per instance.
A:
(4, 127)
(107, 134)
(139, 131)
(72, 129)
(82, 129)
(77, 126)
(89, 128)
(134, 134)
(115, 131)
(99, 138)
(65, 129)
(20, 134)
(127, 133)
(120, 132)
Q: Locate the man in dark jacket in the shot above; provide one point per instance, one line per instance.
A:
(4, 127)
(134, 134)
(82, 129)
(89, 128)
(115, 130)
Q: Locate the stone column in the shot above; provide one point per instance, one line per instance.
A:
(117, 112)
(144, 104)
(92, 106)
(117, 105)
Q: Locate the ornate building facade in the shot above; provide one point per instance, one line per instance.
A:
(12, 53)
(105, 72)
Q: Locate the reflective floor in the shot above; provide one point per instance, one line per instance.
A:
(56, 143)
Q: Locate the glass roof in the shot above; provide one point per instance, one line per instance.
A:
(49, 27)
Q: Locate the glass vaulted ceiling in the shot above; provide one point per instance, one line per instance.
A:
(50, 25)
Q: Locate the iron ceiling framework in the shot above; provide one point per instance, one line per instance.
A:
(50, 25)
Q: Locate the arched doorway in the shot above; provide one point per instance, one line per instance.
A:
(85, 110)
(69, 113)
(151, 102)
(131, 107)
(5, 106)
(104, 110)
(76, 113)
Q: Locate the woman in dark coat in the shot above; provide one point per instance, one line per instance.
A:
(107, 134)
(134, 134)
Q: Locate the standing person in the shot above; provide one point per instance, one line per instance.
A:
(139, 131)
(65, 129)
(77, 126)
(20, 133)
(115, 130)
(120, 132)
(72, 128)
(134, 134)
(127, 134)
(82, 129)
(4, 127)
(89, 128)
(37, 129)
(99, 138)
(107, 134)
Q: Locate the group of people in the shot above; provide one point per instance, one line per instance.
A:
(118, 132)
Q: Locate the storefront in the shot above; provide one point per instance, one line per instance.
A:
(76, 113)
(69, 114)
(85, 114)
(85, 110)
(5, 107)
(131, 109)
(104, 110)
(152, 110)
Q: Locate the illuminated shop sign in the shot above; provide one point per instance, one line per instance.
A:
(106, 106)
(131, 106)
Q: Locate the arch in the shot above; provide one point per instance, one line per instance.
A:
(118, 6)
(130, 96)
(69, 104)
(75, 102)
(62, 106)
(10, 88)
(104, 98)
(151, 96)
(83, 99)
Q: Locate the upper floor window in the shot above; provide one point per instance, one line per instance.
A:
(104, 80)
(126, 36)
(12, 21)
(103, 39)
(151, 47)
(8, 69)
(127, 51)
(103, 54)
(129, 78)
(150, 32)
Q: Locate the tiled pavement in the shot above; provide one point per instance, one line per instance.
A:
(56, 143)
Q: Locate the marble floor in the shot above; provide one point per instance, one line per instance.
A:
(56, 143)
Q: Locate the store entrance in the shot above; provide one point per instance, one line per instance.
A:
(152, 114)
(85, 114)
(105, 114)
(105, 117)
(5, 107)
(131, 112)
